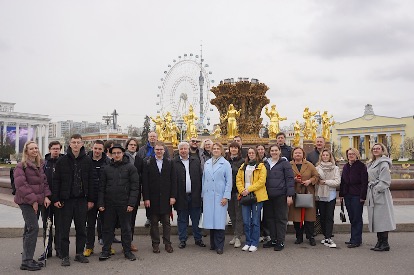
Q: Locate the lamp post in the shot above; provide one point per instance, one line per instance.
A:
(180, 123)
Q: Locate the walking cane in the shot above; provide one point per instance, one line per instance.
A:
(47, 235)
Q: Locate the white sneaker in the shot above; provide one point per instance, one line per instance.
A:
(245, 248)
(237, 243)
(252, 248)
(330, 243)
(323, 241)
(232, 241)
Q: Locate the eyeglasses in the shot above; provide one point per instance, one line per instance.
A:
(376, 149)
(116, 153)
(76, 142)
(195, 141)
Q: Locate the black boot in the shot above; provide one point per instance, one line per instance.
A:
(379, 238)
(384, 246)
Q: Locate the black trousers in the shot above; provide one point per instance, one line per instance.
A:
(111, 215)
(90, 226)
(133, 219)
(217, 237)
(326, 210)
(74, 209)
(276, 212)
(166, 228)
(308, 227)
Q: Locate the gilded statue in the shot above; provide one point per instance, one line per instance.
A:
(170, 132)
(231, 117)
(296, 139)
(274, 121)
(314, 129)
(166, 133)
(189, 120)
(159, 126)
(326, 125)
(307, 131)
(217, 132)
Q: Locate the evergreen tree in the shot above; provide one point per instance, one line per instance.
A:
(145, 131)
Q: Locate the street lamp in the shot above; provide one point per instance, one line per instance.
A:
(180, 124)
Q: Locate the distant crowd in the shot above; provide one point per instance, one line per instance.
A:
(260, 188)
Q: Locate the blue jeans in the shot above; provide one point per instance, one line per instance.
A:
(182, 221)
(251, 222)
(355, 209)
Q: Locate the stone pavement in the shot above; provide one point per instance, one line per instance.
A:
(294, 259)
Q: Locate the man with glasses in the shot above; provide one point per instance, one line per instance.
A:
(131, 149)
(118, 194)
(73, 195)
(159, 186)
(194, 148)
(49, 167)
(145, 152)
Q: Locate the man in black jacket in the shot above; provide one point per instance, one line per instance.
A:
(286, 149)
(118, 194)
(73, 193)
(49, 168)
(314, 155)
(188, 201)
(99, 160)
(159, 186)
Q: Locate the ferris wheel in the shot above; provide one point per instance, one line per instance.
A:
(186, 82)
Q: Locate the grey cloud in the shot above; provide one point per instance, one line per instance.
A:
(401, 72)
(348, 28)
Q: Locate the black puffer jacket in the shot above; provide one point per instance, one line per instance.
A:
(286, 151)
(96, 172)
(235, 165)
(119, 184)
(279, 180)
(49, 168)
(66, 167)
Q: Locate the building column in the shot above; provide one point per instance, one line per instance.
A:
(4, 132)
(40, 138)
(372, 140)
(17, 143)
(29, 133)
(402, 147)
(362, 146)
(46, 140)
(351, 141)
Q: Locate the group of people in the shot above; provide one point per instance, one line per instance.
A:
(204, 183)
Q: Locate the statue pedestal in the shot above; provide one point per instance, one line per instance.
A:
(308, 146)
(272, 141)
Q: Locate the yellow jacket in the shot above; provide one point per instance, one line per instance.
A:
(258, 184)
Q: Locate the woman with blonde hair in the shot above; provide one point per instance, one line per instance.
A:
(380, 204)
(251, 177)
(32, 191)
(329, 179)
(216, 192)
(353, 190)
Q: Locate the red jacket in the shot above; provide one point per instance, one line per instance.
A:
(31, 184)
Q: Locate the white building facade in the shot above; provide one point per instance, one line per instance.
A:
(17, 128)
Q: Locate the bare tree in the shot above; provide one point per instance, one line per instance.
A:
(409, 147)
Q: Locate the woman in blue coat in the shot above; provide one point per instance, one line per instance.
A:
(216, 191)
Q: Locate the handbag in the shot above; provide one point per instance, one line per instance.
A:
(342, 213)
(249, 199)
(305, 200)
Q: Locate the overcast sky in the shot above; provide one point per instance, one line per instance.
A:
(82, 59)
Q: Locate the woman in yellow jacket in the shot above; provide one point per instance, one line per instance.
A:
(251, 177)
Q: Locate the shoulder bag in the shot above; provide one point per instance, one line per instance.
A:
(305, 200)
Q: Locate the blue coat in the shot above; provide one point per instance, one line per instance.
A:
(217, 184)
